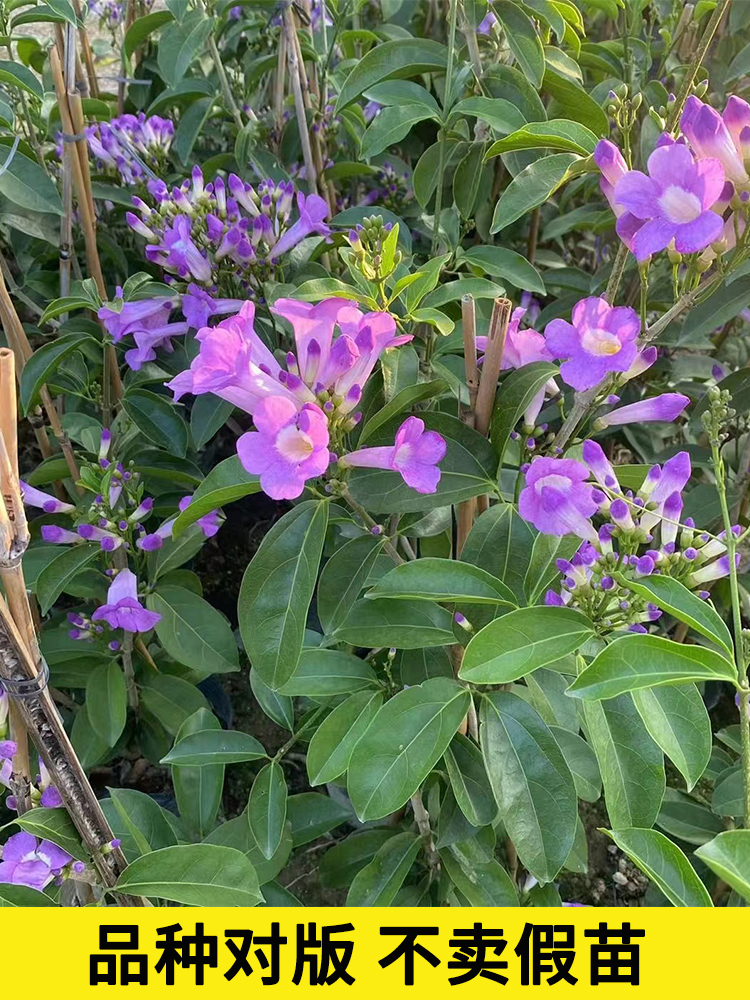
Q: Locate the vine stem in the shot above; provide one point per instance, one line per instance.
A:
(358, 509)
(452, 16)
(127, 663)
(422, 818)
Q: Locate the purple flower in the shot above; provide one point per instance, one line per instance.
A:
(51, 798)
(180, 252)
(234, 364)
(28, 862)
(726, 138)
(132, 316)
(147, 341)
(289, 446)
(597, 461)
(712, 571)
(557, 500)
(415, 454)
(198, 306)
(8, 749)
(313, 211)
(209, 523)
(666, 407)
(601, 339)
(613, 167)
(486, 25)
(59, 536)
(673, 200)
(123, 609)
(48, 503)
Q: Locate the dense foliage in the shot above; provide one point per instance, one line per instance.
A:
(493, 606)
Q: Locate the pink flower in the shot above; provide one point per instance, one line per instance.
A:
(123, 609)
(233, 363)
(612, 164)
(288, 448)
(312, 214)
(727, 137)
(673, 200)
(601, 339)
(557, 500)
(415, 454)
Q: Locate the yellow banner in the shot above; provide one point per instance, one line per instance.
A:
(394, 952)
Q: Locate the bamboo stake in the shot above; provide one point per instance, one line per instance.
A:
(280, 86)
(493, 359)
(299, 102)
(71, 116)
(465, 512)
(88, 58)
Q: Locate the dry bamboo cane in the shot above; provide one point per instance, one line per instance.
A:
(11, 574)
(279, 86)
(465, 512)
(299, 102)
(88, 58)
(21, 347)
(493, 360)
(71, 116)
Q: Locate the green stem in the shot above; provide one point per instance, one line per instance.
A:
(687, 83)
(615, 277)
(745, 737)
(452, 15)
(296, 736)
(369, 523)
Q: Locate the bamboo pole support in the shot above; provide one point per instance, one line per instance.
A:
(493, 360)
(71, 116)
(88, 57)
(465, 513)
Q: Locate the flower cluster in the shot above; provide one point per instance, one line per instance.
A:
(147, 321)
(392, 189)
(303, 412)
(43, 792)
(225, 237)
(131, 147)
(27, 861)
(639, 534)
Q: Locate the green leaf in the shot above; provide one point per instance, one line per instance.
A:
(67, 304)
(519, 642)
(343, 577)
(278, 707)
(466, 180)
(672, 596)
(171, 699)
(678, 722)
(499, 114)
(18, 75)
(506, 264)
(501, 543)
(664, 863)
(23, 895)
(430, 579)
(575, 102)
(44, 362)
(58, 574)
(158, 420)
(334, 740)
(401, 58)
(214, 746)
(401, 624)
(208, 415)
(531, 188)
(532, 783)
(483, 883)
(107, 702)
(313, 815)
(225, 483)
(378, 882)
(52, 824)
(642, 661)
(467, 470)
(561, 134)
(190, 127)
(683, 817)
(469, 781)
(542, 569)
(266, 808)
(175, 552)
(453, 291)
(404, 741)
(728, 798)
(142, 819)
(631, 764)
(277, 589)
(194, 875)
(340, 864)
(402, 401)
(26, 185)
(324, 673)
(524, 42)
(582, 762)
(390, 126)
(181, 43)
(517, 392)
(198, 790)
(194, 633)
(728, 856)
(142, 27)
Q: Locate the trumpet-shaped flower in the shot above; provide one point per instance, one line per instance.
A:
(289, 446)
(28, 862)
(725, 137)
(673, 200)
(601, 339)
(123, 609)
(557, 500)
(415, 454)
